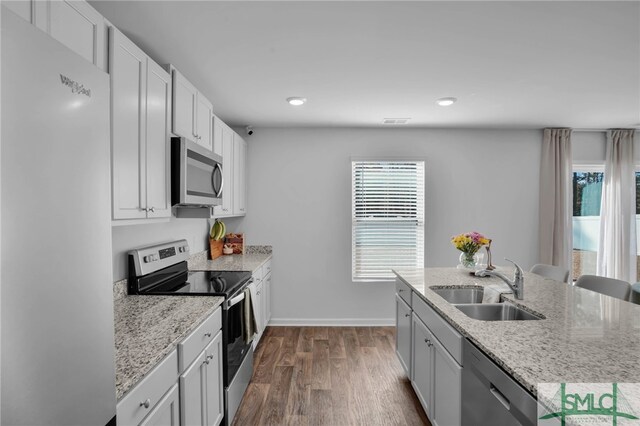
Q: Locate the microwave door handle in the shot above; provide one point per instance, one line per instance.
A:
(218, 191)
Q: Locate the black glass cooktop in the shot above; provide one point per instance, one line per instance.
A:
(218, 283)
(176, 280)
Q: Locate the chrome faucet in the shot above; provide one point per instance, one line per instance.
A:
(517, 285)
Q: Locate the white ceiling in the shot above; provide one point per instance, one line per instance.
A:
(510, 64)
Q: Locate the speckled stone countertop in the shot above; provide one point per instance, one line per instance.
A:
(250, 261)
(585, 336)
(147, 328)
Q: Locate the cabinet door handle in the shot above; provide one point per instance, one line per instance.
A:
(152, 209)
(207, 334)
(146, 403)
(500, 396)
(428, 342)
(407, 315)
(400, 290)
(209, 357)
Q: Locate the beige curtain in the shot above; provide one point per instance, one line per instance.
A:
(555, 199)
(617, 248)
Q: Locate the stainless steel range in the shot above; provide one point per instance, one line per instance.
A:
(162, 270)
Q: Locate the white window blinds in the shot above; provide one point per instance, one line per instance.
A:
(387, 218)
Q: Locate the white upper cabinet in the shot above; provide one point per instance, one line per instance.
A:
(140, 108)
(223, 146)
(184, 107)
(233, 150)
(22, 8)
(73, 23)
(128, 75)
(192, 112)
(158, 139)
(204, 122)
(239, 175)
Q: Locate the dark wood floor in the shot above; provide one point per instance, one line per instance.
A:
(329, 376)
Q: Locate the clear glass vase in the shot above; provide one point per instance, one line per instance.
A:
(468, 260)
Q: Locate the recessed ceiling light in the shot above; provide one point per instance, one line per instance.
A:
(446, 101)
(295, 101)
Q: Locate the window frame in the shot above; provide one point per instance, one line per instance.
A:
(351, 206)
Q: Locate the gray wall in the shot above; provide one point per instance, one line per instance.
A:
(299, 202)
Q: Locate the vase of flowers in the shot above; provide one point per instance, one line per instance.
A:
(469, 243)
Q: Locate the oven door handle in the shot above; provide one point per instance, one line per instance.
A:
(236, 300)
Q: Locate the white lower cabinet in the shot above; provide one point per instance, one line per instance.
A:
(403, 334)
(267, 299)
(258, 306)
(202, 388)
(422, 367)
(154, 399)
(262, 302)
(447, 387)
(166, 412)
(430, 351)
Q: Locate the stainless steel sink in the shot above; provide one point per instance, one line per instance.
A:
(496, 312)
(460, 295)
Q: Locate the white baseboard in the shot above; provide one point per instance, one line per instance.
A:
(340, 322)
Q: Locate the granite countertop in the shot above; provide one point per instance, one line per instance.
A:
(585, 336)
(147, 328)
(253, 258)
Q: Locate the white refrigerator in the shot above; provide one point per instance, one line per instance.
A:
(56, 300)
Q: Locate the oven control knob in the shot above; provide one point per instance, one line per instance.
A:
(147, 259)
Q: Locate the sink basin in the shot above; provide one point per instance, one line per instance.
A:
(459, 295)
(496, 312)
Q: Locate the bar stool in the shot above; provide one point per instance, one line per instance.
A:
(549, 271)
(635, 293)
(608, 286)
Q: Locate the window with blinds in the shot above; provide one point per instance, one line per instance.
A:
(387, 218)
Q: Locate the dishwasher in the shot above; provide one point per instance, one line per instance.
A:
(490, 396)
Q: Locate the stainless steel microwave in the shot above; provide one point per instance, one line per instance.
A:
(196, 174)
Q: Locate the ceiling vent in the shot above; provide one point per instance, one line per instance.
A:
(395, 120)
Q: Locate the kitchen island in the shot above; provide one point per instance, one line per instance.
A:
(584, 336)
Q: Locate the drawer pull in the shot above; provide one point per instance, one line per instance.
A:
(400, 290)
(207, 334)
(428, 342)
(407, 315)
(146, 403)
